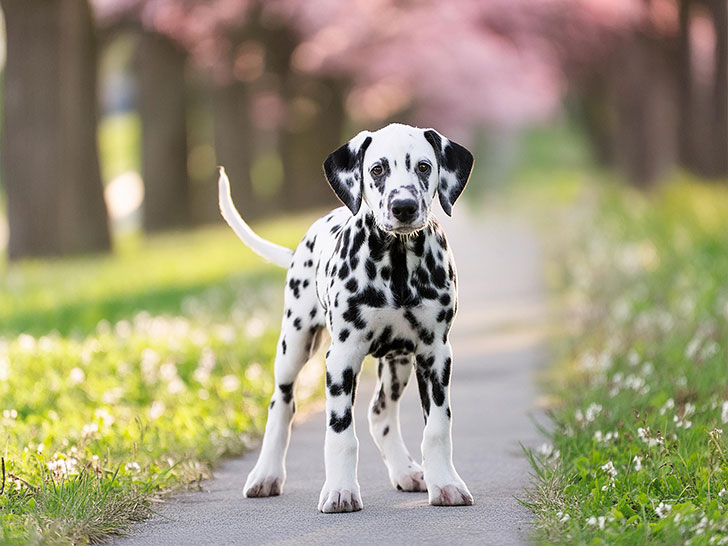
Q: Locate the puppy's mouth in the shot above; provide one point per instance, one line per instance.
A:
(406, 229)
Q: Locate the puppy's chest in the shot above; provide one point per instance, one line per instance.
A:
(371, 274)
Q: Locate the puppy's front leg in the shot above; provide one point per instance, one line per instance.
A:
(444, 485)
(340, 492)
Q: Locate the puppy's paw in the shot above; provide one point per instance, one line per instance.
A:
(411, 479)
(339, 500)
(454, 494)
(261, 483)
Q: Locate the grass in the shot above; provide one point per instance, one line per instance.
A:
(637, 451)
(126, 376)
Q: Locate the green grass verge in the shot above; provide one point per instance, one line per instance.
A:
(126, 376)
(637, 452)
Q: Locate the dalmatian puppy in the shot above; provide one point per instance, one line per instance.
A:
(379, 276)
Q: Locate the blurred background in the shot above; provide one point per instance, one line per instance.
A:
(116, 112)
(137, 334)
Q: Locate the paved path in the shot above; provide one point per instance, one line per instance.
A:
(497, 348)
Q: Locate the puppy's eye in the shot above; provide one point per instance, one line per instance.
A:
(377, 170)
(423, 167)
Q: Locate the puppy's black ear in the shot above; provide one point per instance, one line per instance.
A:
(455, 163)
(344, 170)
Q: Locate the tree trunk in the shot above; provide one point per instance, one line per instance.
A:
(162, 108)
(234, 146)
(50, 161)
(720, 89)
(316, 119)
(645, 127)
(684, 73)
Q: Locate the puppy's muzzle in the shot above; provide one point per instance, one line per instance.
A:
(404, 210)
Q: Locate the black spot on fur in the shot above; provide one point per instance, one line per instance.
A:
(352, 285)
(418, 244)
(371, 268)
(297, 323)
(340, 424)
(345, 387)
(380, 403)
(272, 403)
(343, 335)
(310, 244)
(344, 271)
(343, 163)
(381, 179)
(356, 244)
(294, 285)
(287, 391)
(385, 431)
(283, 345)
(438, 392)
(424, 394)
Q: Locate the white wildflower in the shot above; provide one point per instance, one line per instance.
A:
(26, 342)
(123, 328)
(609, 469)
(592, 412)
(77, 376)
(253, 372)
(90, 429)
(157, 409)
(709, 350)
(670, 404)
(254, 328)
(133, 467)
(176, 386)
(4, 368)
(104, 416)
(633, 357)
(599, 522)
(663, 510)
(645, 435)
(168, 370)
(637, 463)
(682, 422)
(230, 383)
(10, 414)
(724, 412)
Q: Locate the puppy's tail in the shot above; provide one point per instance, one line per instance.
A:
(276, 254)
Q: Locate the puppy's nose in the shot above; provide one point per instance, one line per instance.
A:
(404, 210)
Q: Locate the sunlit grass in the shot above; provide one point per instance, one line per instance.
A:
(128, 375)
(638, 452)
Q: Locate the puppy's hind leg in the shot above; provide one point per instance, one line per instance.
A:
(393, 372)
(300, 332)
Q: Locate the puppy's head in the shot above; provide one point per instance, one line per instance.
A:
(397, 171)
